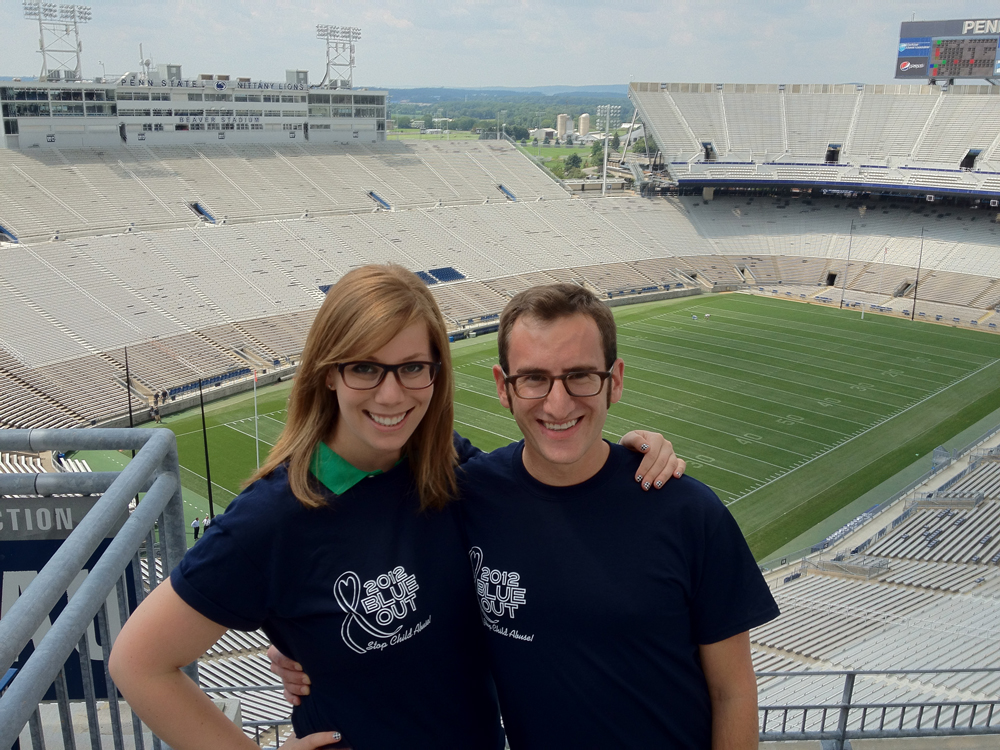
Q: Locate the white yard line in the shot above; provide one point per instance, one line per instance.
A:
(715, 449)
(750, 425)
(888, 342)
(783, 373)
(248, 434)
(633, 379)
(483, 429)
(865, 432)
(747, 389)
(865, 358)
(214, 484)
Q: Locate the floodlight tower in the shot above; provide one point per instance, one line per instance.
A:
(62, 22)
(339, 54)
(606, 114)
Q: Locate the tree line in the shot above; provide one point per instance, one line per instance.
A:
(524, 113)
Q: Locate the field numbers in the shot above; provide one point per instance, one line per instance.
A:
(862, 387)
(790, 419)
(892, 373)
(828, 402)
(699, 461)
(749, 438)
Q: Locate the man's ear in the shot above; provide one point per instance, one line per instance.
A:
(617, 382)
(501, 386)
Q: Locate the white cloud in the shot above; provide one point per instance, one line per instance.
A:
(499, 42)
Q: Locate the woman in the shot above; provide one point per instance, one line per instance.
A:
(343, 549)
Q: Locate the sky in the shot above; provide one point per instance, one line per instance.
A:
(480, 43)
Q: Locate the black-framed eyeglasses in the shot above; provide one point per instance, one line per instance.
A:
(363, 376)
(582, 383)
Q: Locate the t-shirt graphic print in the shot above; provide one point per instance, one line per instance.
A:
(375, 606)
(500, 596)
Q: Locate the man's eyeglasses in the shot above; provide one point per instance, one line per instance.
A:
(364, 376)
(580, 384)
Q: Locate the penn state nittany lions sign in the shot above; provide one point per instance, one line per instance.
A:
(186, 83)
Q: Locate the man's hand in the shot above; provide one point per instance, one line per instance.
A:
(294, 681)
(659, 461)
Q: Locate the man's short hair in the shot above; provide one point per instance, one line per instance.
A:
(554, 301)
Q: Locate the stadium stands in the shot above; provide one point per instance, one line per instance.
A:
(135, 267)
(211, 302)
(923, 594)
(844, 135)
(84, 192)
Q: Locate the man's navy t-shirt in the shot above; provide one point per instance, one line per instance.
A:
(370, 595)
(596, 598)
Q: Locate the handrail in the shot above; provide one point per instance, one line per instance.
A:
(846, 719)
(155, 471)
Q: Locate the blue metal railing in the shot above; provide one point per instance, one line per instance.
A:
(382, 202)
(5, 232)
(203, 212)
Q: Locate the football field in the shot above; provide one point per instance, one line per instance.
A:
(788, 411)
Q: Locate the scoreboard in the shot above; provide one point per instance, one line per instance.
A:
(949, 49)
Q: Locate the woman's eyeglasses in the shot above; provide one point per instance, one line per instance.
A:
(363, 376)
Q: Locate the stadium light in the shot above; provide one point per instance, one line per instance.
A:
(339, 54)
(61, 50)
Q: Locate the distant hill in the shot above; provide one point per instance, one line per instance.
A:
(510, 93)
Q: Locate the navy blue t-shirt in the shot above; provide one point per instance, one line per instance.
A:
(596, 598)
(370, 595)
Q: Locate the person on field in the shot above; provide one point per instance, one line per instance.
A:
(345, 548)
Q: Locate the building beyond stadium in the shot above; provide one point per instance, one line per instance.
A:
(168, 109)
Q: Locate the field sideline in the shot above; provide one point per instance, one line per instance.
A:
(788, 411)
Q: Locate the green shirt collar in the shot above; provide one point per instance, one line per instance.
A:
(335, 473)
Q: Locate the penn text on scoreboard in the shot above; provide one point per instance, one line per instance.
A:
(965, 48)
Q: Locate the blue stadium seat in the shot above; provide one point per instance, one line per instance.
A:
(446, 274)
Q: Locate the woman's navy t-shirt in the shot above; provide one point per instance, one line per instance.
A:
(372, 596)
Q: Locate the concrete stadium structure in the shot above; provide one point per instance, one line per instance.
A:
(210, 260)
(910, 138)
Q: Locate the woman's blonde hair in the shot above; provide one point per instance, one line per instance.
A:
(361, 314)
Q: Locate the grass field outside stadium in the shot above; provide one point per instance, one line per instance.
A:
(788, 411)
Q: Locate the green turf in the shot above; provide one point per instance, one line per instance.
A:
(788, 411)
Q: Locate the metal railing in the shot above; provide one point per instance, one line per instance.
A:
(263, 730)
(846, 719)
(154, 471)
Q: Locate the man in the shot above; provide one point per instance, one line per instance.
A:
(612, 620)
(196, 525)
